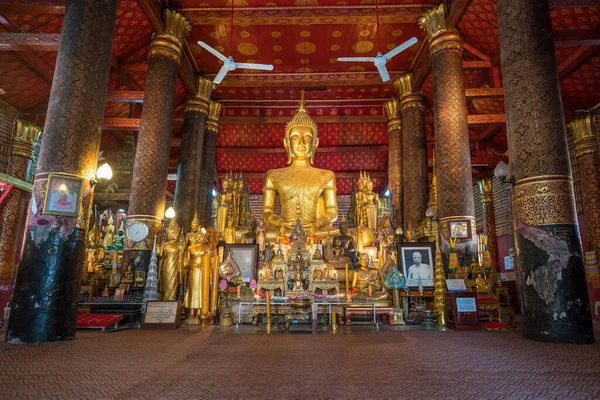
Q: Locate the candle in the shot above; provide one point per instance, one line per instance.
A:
(239, 291)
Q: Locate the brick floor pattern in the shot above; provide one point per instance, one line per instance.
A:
(357, 363)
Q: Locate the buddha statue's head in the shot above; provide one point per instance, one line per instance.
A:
(364, 259)
(94, 235)
(173, 230)
(225, 184)
(301, 138)
(195, 225)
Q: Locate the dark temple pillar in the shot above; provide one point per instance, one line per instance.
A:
(44, 304)
(456, 208)
(24, 144)
(548, 254)
(414, 153)
(586, 152)
(394, 127)
(187, 192)
(207, 174)
(486, 189)
(149, 182)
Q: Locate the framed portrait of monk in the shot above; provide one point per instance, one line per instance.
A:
(417, 261)
(246, 257)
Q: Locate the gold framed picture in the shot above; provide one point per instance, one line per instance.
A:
(460, 229)
(63, 195)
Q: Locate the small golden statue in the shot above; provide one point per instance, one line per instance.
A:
(171, 273)
(224, 209)
(366, 202)
(198, 264)
(300, 185)
(250, 236)
(109, 232)
(190, 237)
(369, 277)
(94, 257)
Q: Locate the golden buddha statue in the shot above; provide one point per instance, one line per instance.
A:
(237, 189)
(369, 277)
(224, 208)
(250, 236)
(300, 186)
(198, 257)
(94, 256)
(172, 263)
(230, 233)
(109, 232)
(190, 237)
(283, 238)
(366, 203)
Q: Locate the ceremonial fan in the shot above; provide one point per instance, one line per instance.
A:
(380, 59)
(228, 63)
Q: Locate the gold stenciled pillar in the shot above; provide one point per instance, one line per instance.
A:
(207, 176)
(586, 151)
(454, 179)
(187, 193)
(487, 201)
(394, 128)
(147, 199)
(414, 152)
(25, 141)
(548, 256)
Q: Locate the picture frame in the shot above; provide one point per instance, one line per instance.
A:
(414, 266)
(460, 229)
(246, 257)
(140, 278)
(119, 294)
(115, 279)
(63, 195)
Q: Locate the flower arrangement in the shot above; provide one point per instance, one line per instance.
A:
(452, 258)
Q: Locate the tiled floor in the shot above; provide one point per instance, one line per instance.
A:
(356, 363)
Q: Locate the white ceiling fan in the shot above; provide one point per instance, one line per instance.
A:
(381, 59)
(228, 63)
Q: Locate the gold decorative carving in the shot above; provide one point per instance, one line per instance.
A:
(214, 113)
(168, 44)
(433, 22)
(301, 119)
(584, 136)
(544, 200)
(487, 194)
(201, 100)
(27, 136)
(392, 111)
(403, 85)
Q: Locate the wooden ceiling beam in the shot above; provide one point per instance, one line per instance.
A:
(477, 93)
(575, 60)
(489, 132)
(476, 120)
(12, 41)
(125, 96)
(35, 7)
(186, 73)
(577, 37)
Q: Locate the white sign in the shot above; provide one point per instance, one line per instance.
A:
(467, 304)
(456, 285)
(161, 312)
(509, 263)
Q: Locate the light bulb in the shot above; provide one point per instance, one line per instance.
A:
(170, 213)
(104, 172)
(501, 171)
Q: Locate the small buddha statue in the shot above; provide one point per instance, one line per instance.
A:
(337, 252)
(283, 238)
(305, 192)
(250, 236)
(346, 242)
(369, 277)
(223, 209)
(312, 238)
(119, 240)
(230, 233)
(95, 253)
(261, 236)
(366, 202)
(109, 233)
(171, 268)
(191, 235)
(198, 267)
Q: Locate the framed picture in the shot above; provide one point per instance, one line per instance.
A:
(115, 279)
(246, 257)
(140, 278)
(460, 229)
(63, 195)
(416, 261)
(119, 294)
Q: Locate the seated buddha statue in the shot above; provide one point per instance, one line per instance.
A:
(305, 192)
(346, 242)
(369, 277)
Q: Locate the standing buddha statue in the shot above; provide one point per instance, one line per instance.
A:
(225, 205)
(109, 232)
(366, 203)
(198, 264)
(94, 257)
(172, 263)
(299, 185)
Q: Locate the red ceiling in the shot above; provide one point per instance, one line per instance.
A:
(302, 38)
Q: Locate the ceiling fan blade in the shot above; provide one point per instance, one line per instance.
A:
(357, 59)
(222, 72)
(264, 67)
(213, 51)
(401, 48)
(385, 76)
